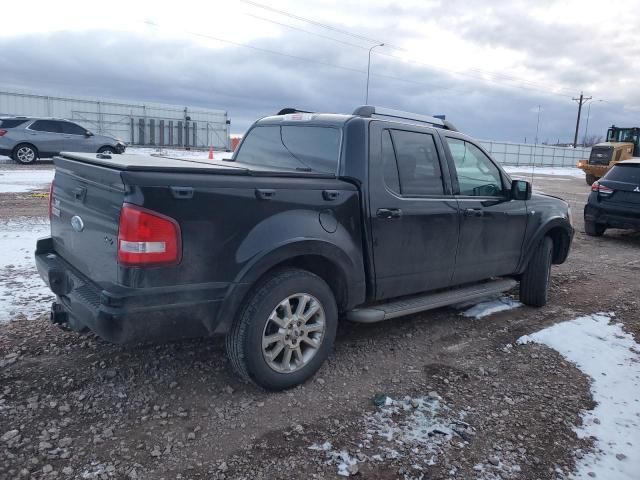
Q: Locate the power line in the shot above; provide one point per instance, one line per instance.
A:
(314, 22)
(296, 57)
(480, 74)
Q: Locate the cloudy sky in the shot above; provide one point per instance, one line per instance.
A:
(487, 65)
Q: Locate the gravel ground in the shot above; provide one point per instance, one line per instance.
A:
(457, 398)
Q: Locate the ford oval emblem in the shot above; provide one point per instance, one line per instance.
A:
(77, 224)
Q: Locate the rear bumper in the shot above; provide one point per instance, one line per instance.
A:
(628, 218)
(5, 152)
(125, 315)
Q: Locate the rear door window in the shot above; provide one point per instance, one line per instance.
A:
(389, 166)
(72, 128)
(305, 148)
(50, 126)
(418, 163)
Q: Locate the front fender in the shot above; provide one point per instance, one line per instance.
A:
(562, 231)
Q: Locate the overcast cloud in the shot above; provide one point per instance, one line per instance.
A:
(486, 67)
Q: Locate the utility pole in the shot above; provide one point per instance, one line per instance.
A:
(366, 97)
(581, 101)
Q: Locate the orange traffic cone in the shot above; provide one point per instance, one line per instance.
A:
(211, 152)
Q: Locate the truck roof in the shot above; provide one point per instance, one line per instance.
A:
(292, 116)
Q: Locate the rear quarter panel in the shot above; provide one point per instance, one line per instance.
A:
(228, 234)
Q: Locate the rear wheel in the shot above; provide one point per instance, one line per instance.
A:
(285, 331)
(534, 285)
(590, 179)
(594, 229)
(25, 154)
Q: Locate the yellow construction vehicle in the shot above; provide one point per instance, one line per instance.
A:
(622, 144)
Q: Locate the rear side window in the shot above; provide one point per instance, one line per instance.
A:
(301, 147)
(11, 123)
(72, 129)
(418, 163)
(50, 126)
(624, 173)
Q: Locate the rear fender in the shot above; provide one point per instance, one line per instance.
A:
(278, 240)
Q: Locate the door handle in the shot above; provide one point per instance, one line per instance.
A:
(330, 195)
(473, 212)
(389, 213)
(265, 193)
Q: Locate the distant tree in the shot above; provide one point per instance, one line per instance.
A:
(591, 140)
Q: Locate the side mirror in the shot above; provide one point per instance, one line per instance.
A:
(520, 190)
(88, 134)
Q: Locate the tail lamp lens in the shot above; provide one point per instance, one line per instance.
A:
(601, 189)
(147, 238)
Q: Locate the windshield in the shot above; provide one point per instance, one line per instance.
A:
(623, 135)
(303, 148)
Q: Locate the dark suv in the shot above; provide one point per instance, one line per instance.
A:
(366, 217)
(25, 139)
(614, 201)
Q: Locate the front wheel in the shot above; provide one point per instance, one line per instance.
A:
(25, 154)
(534, 285)
(108, 150)
(285, 331)
(590, 179)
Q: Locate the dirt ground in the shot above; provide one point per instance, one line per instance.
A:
(88, 409)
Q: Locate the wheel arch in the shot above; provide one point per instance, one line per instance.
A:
(560, 232)
(22, 144)
(326, 260)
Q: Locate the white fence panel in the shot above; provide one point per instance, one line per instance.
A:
(509, 153)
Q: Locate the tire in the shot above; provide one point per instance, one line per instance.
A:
(244, 342)
(108, 150)
(534, 285)
(590, 179)
(25, 154)
(594, 229)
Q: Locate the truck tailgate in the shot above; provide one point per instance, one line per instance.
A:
(85, 212)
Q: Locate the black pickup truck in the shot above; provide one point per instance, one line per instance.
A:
(317, 217)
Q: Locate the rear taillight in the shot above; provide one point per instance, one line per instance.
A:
(2, 132)
(601, 189)
(147, 238)
(50, 199)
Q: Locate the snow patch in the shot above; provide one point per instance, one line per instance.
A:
(22, 291)
(419, 428)
(490, 307)
(17, 181)
(611, 357)
(552, 171)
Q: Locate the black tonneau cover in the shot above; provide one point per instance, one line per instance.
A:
(158, 163)
(134, 162)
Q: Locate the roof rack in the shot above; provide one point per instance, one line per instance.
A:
(289, 110)
(369, 111)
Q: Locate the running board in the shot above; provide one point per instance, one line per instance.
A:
(407, 306)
